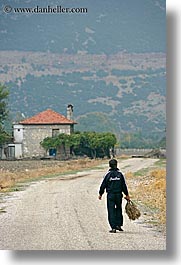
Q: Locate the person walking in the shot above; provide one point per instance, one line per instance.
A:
(115, 185)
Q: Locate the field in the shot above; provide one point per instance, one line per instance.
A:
(12, 172)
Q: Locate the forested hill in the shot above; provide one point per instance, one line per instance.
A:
(109, 62)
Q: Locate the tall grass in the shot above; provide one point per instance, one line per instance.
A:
(9, 177)
(150, 190)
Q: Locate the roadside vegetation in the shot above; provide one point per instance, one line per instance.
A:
(148, 190)
(13, 172)
(4, 136)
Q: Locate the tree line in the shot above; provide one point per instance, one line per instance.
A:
(91, 144)
(4, 136)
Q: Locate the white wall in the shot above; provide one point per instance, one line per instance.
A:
(18, 133)
(18, 150)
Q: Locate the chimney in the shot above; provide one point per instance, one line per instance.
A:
(70, 112)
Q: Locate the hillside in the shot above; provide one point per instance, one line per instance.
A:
(128, 88)
(110, 63)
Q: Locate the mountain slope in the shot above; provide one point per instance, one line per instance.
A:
(131, 92)
(109, 62)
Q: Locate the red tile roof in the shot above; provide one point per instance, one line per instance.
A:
(47, 117)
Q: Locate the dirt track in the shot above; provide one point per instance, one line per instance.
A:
(64, 213)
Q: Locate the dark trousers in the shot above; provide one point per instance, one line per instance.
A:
(114, 208)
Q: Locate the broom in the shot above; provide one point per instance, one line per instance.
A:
(132, 211)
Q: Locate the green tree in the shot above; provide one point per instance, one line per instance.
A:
(91, 144)
(48, 143)
(62, 140)
(96, 144)
(75, 142)
(108, 142)
(4, 136)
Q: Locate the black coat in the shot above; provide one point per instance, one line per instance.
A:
(114, 182)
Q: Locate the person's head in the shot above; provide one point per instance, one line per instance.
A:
(113, 163)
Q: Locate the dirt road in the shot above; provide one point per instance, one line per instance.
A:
(64, 213)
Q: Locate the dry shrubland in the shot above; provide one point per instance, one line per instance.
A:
(150, 190)
(12, 172)
(155, 193)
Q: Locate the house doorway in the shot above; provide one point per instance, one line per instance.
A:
(11, 151)
(52, 152)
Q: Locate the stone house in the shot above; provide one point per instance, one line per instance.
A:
(30, 132)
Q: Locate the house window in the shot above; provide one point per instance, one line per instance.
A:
(55, 132)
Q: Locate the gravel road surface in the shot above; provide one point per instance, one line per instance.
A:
(64, 213)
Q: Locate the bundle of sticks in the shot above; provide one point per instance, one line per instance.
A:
(132, 211)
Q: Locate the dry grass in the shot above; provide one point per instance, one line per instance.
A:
(150, 190)
(12, 172)
(155, 193)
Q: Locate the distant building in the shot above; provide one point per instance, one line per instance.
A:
(30, 132)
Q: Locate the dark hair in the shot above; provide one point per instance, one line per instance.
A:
(113, 163)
